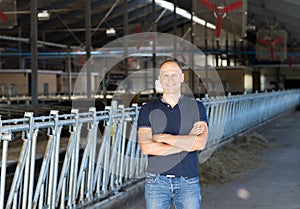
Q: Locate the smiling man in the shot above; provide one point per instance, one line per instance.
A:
(171, 131)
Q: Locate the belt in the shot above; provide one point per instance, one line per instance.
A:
(174, 176)
(171, 176)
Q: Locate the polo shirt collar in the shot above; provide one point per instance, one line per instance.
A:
(179, 101)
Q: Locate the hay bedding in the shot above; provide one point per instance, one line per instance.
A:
(232, 160)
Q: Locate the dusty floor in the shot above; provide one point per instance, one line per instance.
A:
(232, 160)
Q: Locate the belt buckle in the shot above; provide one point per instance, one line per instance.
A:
(170, 176)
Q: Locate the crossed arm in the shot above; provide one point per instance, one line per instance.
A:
(166, 144)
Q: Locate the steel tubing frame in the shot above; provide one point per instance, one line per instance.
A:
(94, 164)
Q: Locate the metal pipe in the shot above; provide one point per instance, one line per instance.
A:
(191, 55)
(3, 172)
(88, 40)
(57, 131)
(18, 173)
(92, 136)
(26, 175)
(43, 172)
(72, 175)
(125, 31)
(66, 166)
(154, 74)
(69, 67)
(77, 129)
(34, 52)
(105, 17)
(45, 43)
(33, 137)
(20, 47)
(31, 167)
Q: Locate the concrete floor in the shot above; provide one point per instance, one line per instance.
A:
(273, 186)
(276, 185)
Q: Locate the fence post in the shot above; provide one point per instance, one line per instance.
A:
(32, 136)
(3, 171)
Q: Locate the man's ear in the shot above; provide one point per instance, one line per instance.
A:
(158, 86)
(182, 77)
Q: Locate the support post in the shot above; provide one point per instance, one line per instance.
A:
(125, 23)
(153, 47)
(34, 66)
(88, 46)
(69, 66)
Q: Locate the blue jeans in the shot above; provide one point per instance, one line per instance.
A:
(161, 191)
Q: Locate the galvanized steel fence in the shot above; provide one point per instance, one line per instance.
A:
(71, 160)
(233, 114)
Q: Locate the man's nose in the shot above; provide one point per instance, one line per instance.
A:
(170, 78)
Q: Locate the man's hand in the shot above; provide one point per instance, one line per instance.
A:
(197, 129)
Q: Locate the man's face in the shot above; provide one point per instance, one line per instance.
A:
(171, 77)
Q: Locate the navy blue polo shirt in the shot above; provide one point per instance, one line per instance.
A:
(179, 120)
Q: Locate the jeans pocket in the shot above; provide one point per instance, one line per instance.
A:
(194, 180)
(151, 178)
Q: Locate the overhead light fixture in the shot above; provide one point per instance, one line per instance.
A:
(170, 6)
(43, 16)
(111, 32)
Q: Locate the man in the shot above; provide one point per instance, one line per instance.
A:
(171, 130)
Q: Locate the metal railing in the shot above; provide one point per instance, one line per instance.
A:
(71, 160)
(231, 115)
